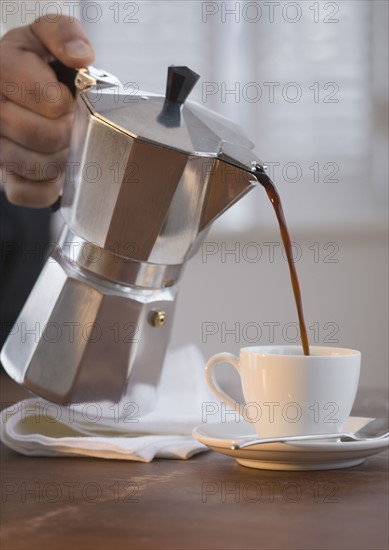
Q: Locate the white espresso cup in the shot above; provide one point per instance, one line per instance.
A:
(289, 393)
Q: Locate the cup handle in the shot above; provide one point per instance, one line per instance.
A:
(213, 384)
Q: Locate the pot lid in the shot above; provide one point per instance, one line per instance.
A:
(168, 121)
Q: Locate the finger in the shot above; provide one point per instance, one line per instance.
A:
(33, 131)
(35, 86)
(24, 39)
(31, 47)
(29, 164)
(65, 39)
(27, 193)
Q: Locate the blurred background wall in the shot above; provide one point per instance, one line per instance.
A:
(307, 81)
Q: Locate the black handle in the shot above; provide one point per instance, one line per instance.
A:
(67, 76)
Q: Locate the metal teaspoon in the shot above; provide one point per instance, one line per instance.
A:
(375, 429)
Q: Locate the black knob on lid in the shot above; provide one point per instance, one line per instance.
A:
(180, 82)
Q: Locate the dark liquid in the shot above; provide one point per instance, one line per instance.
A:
(277, 205)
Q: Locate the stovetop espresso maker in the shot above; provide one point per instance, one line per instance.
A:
(146, 177)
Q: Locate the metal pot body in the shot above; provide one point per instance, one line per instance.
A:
(146, 177)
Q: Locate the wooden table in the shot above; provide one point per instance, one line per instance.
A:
(208, 502)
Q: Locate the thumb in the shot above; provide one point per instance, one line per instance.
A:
(65, 39)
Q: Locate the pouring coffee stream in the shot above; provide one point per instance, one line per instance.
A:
(275, 199)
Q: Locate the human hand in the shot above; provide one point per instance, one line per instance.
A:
(36, 110)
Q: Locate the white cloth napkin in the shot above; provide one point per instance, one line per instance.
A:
(105, 430)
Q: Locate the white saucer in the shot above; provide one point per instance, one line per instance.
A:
(304, 455)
